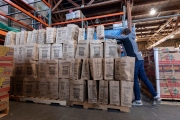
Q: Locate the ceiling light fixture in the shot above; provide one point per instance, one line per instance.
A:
(153, 11)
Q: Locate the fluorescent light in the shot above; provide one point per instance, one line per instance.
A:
(153, 11)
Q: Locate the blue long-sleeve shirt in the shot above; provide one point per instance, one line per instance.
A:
(129, 43)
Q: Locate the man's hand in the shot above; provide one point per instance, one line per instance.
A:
(101, 37)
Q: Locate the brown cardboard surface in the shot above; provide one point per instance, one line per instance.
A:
(37, 87)
(18, 86)
(23, 37)
(117, 68)
(10, 38)
(6, 68)
(64, 68)
(110, 48)
(114, 90)
(30, 69)
(41, 36)
(29, 85)
(78, 90)
(85, 73)
(96, 68)
(52, 88)
(108, 67)
(64, 89)
(81, 34)
(100, 30)
(21, 53)
(69, 48)
(44, 51)
(72, 32)
(42, 69)
(75, 68)
(126, 93)
(43, 87)
(92, 91)
(35, 34)
(50, 35)
(56, 52)
(52, 69)
(82, 49)
(90, 34)
(19, 69)
(61, 35)
(96, 49)
(103, 92)
(31, 51)
(17, 38)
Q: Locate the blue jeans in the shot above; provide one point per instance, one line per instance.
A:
(139, 71)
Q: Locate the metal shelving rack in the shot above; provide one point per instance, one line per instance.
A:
(35, 20)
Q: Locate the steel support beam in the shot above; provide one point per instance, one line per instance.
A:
(91, 18)
(90, 2)
(57, 4)
(26, 12)
(88, 6)
(21, 23)
(72, 2)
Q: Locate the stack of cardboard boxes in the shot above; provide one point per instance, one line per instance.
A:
(169, 69)
(6, 71)
(62, 65)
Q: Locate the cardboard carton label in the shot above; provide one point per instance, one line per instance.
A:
(96, 49)
(110, 48)
(61, 35)
(114, 92)
(31, 52)
(103, 92)
(92, 91)
(44, 52)
(56, 51)
(82, 49)
(126, 93)
(64, 89)
(52, 69)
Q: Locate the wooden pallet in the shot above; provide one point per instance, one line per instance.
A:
(4, 112)
(97, 106)
(38, 100)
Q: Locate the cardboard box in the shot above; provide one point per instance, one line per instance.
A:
(34, 36)
(52, 88)
(78, 14)
(75, 69)
(96, 68)
(69, 49)
(169, 57)
(41, 36)
(103, 92)
(96, 49)
(127, 68)
(30, 69)
(42, 69)
(114, 90)
(44, 51)
(166, 49)
(126, 93)
(90, 34)
(37, 67)
(43, 87)
(100, 30)
(15, 52)
(29, 37)
(17, 41)
(117, 68)
(170, 79)
(19, 69)
(64, 68)
(31, 51)
(37, 87)
(108, 67)
(18, 86)
(61, 32)
(78, 90)
(110, 48)
(10, 38)
(6, 68)
(23, 37)
(6, 53)
(52, 69)
(92, 91)
(29, 85)
(21, 53)
(50, 35)
(82, 49)
(4, 85)
(81, 35)
(85, 73)
(72, 32)
(4, 102)
(56, 52)
(64, 89)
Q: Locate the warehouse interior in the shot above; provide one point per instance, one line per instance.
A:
(38, 26)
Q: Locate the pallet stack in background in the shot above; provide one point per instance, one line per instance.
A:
(6, 71)
(60, 64)
(169, 69)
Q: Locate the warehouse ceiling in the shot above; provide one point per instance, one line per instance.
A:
(147, 31)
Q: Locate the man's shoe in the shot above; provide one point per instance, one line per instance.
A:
(137, 103)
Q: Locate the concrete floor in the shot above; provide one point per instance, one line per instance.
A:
(31, 111)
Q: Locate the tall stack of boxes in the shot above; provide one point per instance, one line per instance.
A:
(169, 69)
(62, 65)
(6, 71)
